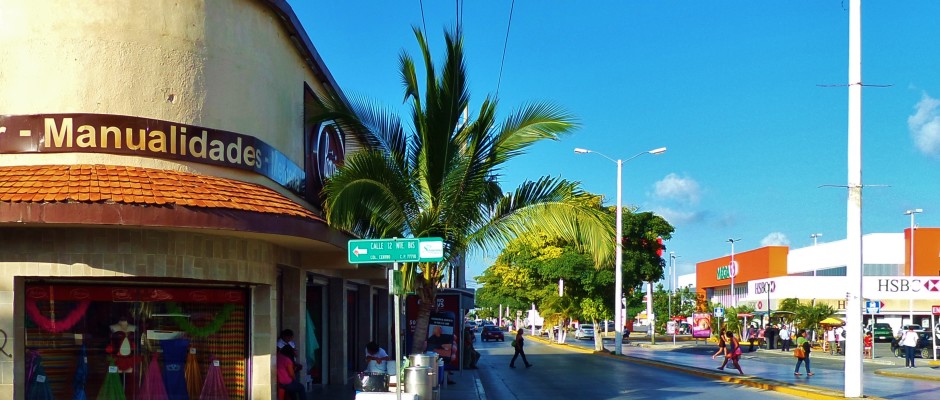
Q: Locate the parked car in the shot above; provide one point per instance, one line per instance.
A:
(882, 331)
(491, 332)
(917, 328)
(923, 346)
(585, 331)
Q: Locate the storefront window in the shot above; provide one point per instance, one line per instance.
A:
(121, 341)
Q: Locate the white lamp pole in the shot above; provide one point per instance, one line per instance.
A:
(912, 213)
(733, 270)
(815, 236)
(618, 249)
(853, 232)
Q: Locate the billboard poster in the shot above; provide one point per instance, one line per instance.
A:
(701, 325)
(443, 328)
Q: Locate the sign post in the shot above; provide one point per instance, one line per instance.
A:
(934, 311)
(395, 250)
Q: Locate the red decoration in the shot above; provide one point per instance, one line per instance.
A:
(50, 324)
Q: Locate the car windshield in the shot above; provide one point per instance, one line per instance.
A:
(585, 327)
(882, 326)
(489, 328)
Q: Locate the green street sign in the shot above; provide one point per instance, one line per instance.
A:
(365, 251)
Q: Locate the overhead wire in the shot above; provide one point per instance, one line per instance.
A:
(423, 22)
(502, 62)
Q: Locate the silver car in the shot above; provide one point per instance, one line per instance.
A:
(585, 331)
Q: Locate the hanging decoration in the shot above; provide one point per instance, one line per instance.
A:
(153, 387)
(214, 388)
(81, 376)
(37, 388)
(112, 389)
(200, 331)
(193, 374)
(50, 324)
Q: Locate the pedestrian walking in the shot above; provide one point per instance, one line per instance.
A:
(784, 338)
(734, 350)
(909, 342)
(518, 344)
(722, 350)
(802, 353)
(831, 340)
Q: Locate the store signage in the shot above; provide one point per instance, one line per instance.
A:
(908, 285)
(935, 310)
(145, 137)
(396, 250)
(728, 271)
(765, 287)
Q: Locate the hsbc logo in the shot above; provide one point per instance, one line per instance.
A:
(908, 285)
(932, 285)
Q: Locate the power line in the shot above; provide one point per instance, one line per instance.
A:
(502, 62)
(423, 23)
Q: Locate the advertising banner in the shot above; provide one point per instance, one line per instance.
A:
(444, 328)
(701, 325)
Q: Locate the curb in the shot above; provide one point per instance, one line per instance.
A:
(894, 374)
(804, 391)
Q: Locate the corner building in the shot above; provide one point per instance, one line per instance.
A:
(159, 203)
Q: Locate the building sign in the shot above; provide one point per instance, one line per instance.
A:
(835, 287)
(727, 271)
(765, 287)
(144, 137)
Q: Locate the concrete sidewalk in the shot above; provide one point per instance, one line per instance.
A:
(466, 386)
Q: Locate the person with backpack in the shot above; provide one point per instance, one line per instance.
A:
(803, 348)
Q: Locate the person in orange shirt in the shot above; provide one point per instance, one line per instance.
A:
(288, 388)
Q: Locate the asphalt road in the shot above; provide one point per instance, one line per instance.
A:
(562, 374)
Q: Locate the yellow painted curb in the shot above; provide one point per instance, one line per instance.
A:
(892, 373)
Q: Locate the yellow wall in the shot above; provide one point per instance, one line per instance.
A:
(226, 65)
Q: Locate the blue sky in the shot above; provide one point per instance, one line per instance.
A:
(730, 87)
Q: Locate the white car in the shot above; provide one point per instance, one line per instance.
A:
(585, 331)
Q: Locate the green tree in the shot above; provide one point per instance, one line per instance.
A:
(441, 178)
(809, 315)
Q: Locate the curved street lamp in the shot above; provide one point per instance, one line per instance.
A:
(618, 273)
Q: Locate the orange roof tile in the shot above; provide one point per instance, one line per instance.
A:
(140, 186)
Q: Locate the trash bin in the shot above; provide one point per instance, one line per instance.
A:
(418, 381)
(426, 360)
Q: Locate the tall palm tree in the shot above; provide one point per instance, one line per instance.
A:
(440, 179)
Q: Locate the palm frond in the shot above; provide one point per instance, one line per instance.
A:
(369, 196)
(539, 121)
(556, 207)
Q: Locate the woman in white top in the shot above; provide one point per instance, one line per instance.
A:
(909, 342)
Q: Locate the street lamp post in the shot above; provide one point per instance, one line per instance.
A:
(618, 249)
(815, 236)
(912, 213)
(733, 270)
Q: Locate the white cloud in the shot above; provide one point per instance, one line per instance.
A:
(677, 188)
(676, 217)
(924, 125)
(775, 239)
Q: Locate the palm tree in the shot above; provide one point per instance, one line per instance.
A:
(441, 178)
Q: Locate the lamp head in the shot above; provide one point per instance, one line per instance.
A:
(660, 150)
(914, 211)
(581, 151)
